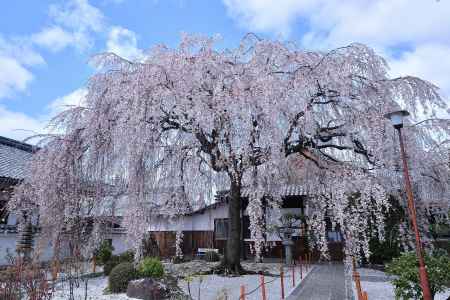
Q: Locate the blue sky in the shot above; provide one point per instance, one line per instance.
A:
(45, 45)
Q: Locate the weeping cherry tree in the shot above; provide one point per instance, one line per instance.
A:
(186, 121)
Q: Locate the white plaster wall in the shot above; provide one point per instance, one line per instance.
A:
(166, 224)
(205, 221)
(196, 222)
(12, 219)
(119, 242)
(8, 242)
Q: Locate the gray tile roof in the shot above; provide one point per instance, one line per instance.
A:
(14, 158)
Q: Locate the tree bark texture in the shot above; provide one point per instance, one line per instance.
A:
(233, 248)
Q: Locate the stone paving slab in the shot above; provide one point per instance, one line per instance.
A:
(325, 282)
(376, 278)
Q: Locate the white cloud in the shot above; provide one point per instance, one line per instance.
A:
(53, 38)
(123, 42)
(20, 49)
(78, 14)
(428, 61)
(17, 125)
(15, 59)
(75, 98)
(274, 16)
(74, 24)
(380, 23)
(78, 20)
(416, 31)
(337, 22)
(13, 76)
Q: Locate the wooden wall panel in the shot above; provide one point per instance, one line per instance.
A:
(166, 242)
(193, 240)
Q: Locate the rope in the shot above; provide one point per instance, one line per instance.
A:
(260, 285)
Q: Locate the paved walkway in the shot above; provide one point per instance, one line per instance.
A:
(325, 282)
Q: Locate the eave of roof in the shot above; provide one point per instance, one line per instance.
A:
(14, 159)
(17, 144)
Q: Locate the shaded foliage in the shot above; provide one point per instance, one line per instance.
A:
(406, 270)
(120, 276)
(151, 267)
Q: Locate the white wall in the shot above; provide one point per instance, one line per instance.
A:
(196, 222)
(166, 224)
(8, 242)
(205, 221)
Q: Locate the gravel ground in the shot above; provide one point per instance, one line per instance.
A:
(200, 266)
(214, 287)
(95, 291)
(383, 290)
(211, 286)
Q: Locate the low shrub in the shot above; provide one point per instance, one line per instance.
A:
(114, 261)
(212, 256)
(406, 270)
(120, 276)
(127, 256)
(382, 252)
(151, 267)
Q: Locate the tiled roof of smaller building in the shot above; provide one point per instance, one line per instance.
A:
(14, 158)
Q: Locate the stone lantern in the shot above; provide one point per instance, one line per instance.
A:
(286, 235)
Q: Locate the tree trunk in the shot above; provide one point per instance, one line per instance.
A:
(231, 262)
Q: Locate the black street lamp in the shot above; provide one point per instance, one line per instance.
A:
(396, 119)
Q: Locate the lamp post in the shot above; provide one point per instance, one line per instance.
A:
(396, 119)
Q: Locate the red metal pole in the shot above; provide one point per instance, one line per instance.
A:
(365, 296)
(356, 278)
(282, 282)
(412, 214)
(242, 297)
(263, 286)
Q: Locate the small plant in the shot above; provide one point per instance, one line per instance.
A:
(104, 253)
(127, 256)
(406, 270)
(212, 256)
(151, 267)
(120, 276)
